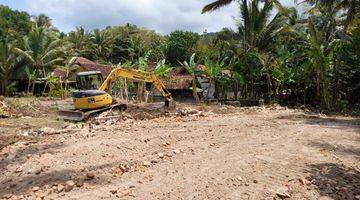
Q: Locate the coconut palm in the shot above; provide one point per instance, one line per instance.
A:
(221, 3)
(350, 6)
(102, 42)
(256, 29)
(80, 41)
(43, 21)
(8, 61)
(320, 52)
(41, 50)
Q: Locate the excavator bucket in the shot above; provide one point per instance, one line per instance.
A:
(170, 104)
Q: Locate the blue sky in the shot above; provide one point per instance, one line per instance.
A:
(163, 16)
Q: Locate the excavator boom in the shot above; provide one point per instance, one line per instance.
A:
(136, 75)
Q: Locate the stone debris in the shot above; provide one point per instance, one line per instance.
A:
(80, 182)
(113, 191)
(69, 185)
(90, 175)
(36, 188)
(47, 131)
(161, 155)
(60, 188)
(303, 181)
(146, 164)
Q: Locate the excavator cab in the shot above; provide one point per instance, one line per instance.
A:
(90, 80)
(89, 96)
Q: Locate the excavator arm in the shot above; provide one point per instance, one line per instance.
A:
(136, 75)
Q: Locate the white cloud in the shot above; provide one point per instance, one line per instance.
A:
(163, 16)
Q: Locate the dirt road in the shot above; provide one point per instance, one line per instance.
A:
(228, 154)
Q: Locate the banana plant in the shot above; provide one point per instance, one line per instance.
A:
(213, 72)
(191, 68)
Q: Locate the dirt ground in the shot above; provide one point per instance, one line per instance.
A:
(199, 152)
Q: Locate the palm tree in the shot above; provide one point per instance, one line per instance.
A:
(102, 42)
(41, 50)
(256, 30)
(191, 68)
(221, 3)
(43, 21)
(350, 6)
(8, 61)
(320, 53)
(80, 41)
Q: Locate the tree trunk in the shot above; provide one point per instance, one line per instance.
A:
(46, 83)
(268, 82)
(28, 87)
(196, 96)
(3, 86)
(126, 90)
(321, 90)
(208, 91)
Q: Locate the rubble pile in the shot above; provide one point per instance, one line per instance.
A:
(3, 109)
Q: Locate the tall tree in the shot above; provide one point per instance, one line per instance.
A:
(80, 42)
(41, 50)
(351, 7)
(181, 44)
(102, 42)
(256, 28)
(13, 24)
(8, 62)
(221, 3)
(43, 21)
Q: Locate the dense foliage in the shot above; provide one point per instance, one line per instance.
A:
(276, 53)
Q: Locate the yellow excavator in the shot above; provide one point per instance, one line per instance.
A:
(89, 101)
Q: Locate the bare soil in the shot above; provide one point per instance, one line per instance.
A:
(202, 152)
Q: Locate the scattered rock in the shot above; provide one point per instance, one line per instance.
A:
(161, 155)
(40, 194)
(256, 181)
(176, 151)
(60, 187)
(80, 182)
(123, 168)
(90, 175)
(302, 180)
(123, 193)
(283, 195)
(113, 191)
(282, 192)
(36, 188)
(36, 170)
(69, 185)
(7, 196)
(18, 170)
(146, 163)
(239, 178)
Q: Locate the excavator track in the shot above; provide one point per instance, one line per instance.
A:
(79, 115)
